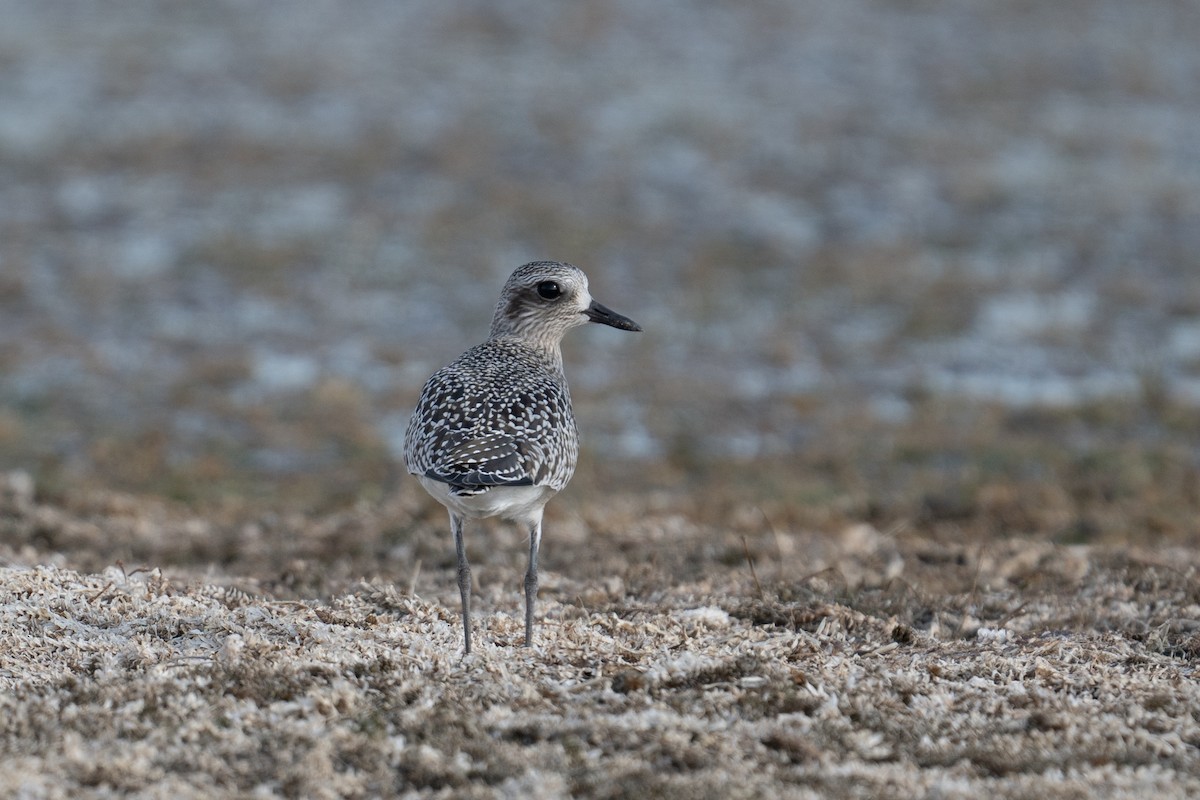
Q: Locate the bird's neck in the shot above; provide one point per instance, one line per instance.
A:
(548, 349)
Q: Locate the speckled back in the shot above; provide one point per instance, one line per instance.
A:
(499, 415)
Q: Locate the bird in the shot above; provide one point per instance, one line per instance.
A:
(493, 433)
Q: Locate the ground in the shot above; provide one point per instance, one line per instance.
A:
(673, 658)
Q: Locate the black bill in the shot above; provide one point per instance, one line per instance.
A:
(606, 316)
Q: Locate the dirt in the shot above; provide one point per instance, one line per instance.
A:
(846, 663)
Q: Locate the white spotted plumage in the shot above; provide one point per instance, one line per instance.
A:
(499, 415)
(493, 433)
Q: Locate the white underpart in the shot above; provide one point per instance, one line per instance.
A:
(520, 504)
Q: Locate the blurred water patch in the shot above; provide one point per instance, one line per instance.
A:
(821, 214)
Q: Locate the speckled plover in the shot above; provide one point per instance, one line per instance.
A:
(493, 433)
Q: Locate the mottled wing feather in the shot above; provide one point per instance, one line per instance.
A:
(500, 415)
(480, 461)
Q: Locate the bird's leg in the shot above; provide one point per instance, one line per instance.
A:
(531, 579)
(464, 579)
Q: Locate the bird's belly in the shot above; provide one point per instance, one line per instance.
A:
(513, 503)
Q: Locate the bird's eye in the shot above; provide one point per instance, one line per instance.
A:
(550, 290)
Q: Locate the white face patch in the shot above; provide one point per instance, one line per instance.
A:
(584, 299)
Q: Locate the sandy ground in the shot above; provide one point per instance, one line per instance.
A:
(894, 666)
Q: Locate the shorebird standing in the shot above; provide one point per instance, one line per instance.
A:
(493, 434)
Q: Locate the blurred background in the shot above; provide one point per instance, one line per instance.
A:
(894, 259)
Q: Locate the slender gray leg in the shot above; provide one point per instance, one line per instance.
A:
(531, 580)
(464, 579)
